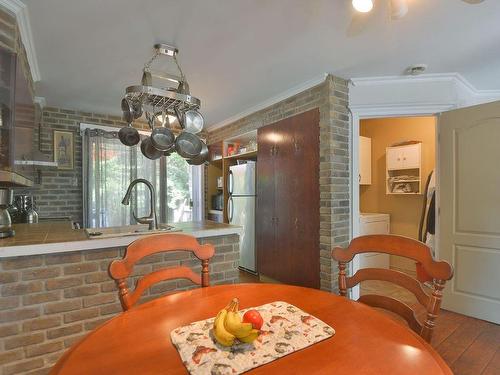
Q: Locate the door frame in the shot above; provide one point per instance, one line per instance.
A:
(387, 111)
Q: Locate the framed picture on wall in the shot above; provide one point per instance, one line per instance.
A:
(64, 149)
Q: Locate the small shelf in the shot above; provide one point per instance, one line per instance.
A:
(216, 212)
(402, 181)
(402, 169)
(217, 162)
(402, 193)
(243, 155)
(232, 147)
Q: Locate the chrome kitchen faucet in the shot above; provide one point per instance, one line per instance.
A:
(151, 219)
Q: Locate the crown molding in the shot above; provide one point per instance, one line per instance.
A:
(271, 101)
(400, 109)
(455, 78)
(385, 80)
(20, 11)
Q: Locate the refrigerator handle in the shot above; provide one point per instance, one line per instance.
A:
(230, 209)
(230, 182)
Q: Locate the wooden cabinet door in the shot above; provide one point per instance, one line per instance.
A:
(288, 192)
(300, 209)
(265, 230)
(411, 156)
(394, 158)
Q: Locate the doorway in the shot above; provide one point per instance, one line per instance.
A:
(396, 156)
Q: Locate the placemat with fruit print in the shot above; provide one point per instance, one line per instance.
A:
(286, 329)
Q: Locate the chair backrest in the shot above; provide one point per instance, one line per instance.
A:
(440, 271)
(119, 270)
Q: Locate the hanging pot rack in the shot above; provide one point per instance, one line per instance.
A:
(158, 98)
(177, 101)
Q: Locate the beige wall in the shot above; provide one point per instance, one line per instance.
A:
(405, 210)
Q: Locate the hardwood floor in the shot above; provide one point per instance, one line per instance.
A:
(470, 346)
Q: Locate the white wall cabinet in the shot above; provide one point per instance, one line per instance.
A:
(404, 157)
(404, 169)
(365, 161)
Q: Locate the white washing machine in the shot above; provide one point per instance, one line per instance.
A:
(374, 223)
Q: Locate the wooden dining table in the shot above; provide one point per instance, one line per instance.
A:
(366, 340)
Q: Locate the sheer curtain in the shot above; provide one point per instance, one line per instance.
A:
(108, 169)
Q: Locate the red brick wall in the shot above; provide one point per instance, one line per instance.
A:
(49, 302)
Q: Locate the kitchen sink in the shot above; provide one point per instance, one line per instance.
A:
(127, 230)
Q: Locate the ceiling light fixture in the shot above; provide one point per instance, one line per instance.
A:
(363, 6)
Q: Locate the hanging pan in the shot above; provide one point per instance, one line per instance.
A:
(128, 111)
(128, 135)
(191, 121)
(188, 145)
(149, 151)
(162, 137)
(147, 148)
(202, 157)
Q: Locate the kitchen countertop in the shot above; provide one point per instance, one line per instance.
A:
(58, 236)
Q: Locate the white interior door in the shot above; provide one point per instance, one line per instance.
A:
(469, 225)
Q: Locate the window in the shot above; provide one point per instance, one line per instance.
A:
(108, 169)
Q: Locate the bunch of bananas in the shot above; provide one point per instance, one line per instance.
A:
(228, 326)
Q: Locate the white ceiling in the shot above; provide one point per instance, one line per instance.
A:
(238, 53)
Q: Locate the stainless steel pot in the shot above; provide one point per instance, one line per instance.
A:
(137, 109)
(169, 151)
(129, 135)
(149, 151)
(188, 145)
(191, 121)
(162, 137)
(128, 111)
(202, 157)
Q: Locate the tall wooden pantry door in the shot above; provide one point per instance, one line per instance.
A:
(288, 200)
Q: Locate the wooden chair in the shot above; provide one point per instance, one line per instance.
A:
(440, 271)
(119, 270)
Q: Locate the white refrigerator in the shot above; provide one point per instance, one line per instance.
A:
(241, 210)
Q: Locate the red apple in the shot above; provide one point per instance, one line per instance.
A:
(253, 316)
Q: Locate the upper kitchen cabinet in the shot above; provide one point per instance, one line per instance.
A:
(7, 84)
(18, 121)
(404, 157)
(26, 118)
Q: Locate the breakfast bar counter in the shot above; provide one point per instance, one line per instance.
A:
(58, 236)
(55, 286)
